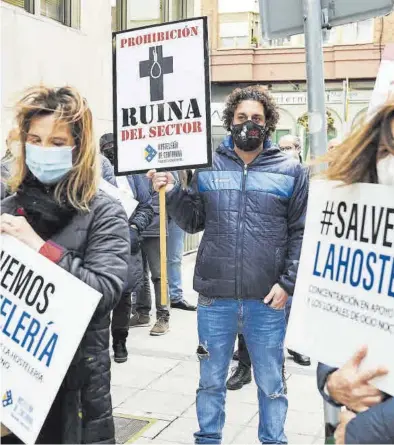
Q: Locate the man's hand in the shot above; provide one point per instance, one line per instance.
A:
(162, 179)
(277, 296)
(340, 432)
(351, 388)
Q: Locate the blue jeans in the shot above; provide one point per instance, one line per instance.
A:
(175, 247)
(219, 321)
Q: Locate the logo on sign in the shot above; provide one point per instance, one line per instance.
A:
(150, 153)
(155, 68)
(7, 399)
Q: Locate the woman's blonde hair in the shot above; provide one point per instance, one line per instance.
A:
(354, 160)
(81, 184)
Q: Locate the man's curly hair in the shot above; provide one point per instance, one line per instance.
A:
(257, 93)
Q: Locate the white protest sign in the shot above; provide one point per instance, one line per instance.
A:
(384, 85)
(344, 296)
(162, 97)
(44, 312)
(122, 194)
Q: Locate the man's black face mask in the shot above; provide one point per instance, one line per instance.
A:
(248, 136)
(108, 152)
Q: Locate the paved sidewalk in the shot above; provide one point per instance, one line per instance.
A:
(160, 378)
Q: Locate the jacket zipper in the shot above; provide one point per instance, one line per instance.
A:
(239, 259)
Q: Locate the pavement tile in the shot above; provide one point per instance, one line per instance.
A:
(120, 394)
(149, 415)
(149, 401)
(155, 429)
(181, 431)
(134, 378)
(175, 384)
(301, 439)
(305, 423)
(248, 436)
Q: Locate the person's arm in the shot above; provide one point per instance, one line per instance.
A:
(376, 425)
(105, 262)
(323, 372)
(107, 171)
(186, 206)
(143, 214)
(296, 223)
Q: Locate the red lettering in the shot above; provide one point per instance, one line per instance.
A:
(139, 40)
(194, 30)
(131, 41)
(123, 43)
(186, 32)
(152, 132)
(174, 34)
(125, 135)
(147, 38)
(161, 131)
(168, 130)
(197, 127)
(161, 36)
(188, 127)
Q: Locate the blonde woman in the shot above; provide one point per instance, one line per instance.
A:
(367, 156)
(57, 210)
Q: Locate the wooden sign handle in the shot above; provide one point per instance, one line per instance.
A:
(163, 246)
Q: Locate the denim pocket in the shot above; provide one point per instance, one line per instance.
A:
(205, 301)
(272, 308)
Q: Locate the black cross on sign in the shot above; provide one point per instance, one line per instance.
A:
(155, 68)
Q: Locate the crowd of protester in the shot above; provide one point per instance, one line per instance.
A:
(251, 205)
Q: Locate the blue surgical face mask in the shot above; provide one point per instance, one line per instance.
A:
(49, 164)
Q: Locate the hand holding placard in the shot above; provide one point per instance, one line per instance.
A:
(351, 387)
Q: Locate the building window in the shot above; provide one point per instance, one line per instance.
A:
(67, 12)
(27, 5)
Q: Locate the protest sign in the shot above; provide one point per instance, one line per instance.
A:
(122, 194)
(162, 115)
(344, 296)
(384, 85)
(44, 312)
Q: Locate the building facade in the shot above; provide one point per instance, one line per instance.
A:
(69, 42)
(240, 56)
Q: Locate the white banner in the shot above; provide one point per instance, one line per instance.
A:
(162, 97)
(384, 85)
(44, 312)
(122, 193)
(344, 296)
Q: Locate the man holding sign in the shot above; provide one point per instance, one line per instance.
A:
(345, 296)
(251, 204)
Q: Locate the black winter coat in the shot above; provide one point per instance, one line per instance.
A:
(253, 220)
(95, 249)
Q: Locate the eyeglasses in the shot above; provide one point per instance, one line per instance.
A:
(287, 148)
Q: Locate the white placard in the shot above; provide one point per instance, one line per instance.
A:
(122, 194)
(344, 296)
(384, 85)
(162, 97)
(44, 312)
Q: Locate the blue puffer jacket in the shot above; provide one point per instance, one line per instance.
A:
(253, 216)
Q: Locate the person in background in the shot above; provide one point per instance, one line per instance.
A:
(332, 143)
(175, 249)
(150, 249)
(12, 152)
(57, 210)
(291, 145)
(251, 205)
(134, 188)
(367, 155)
